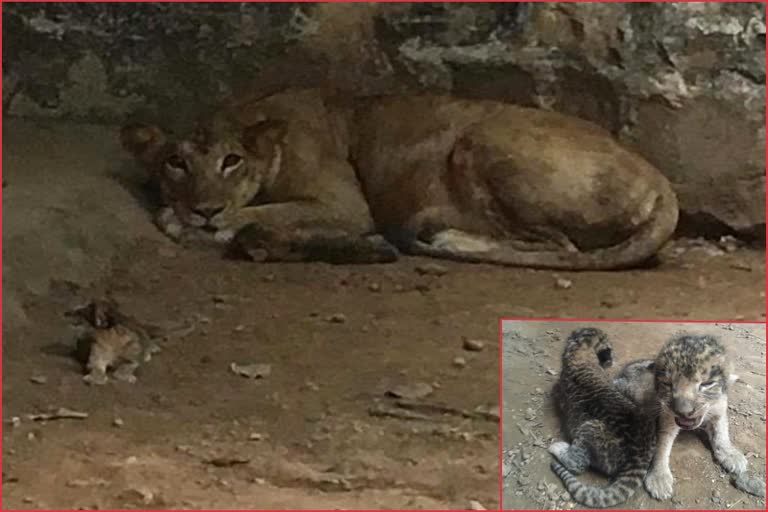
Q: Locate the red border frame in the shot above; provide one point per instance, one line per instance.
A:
(586, 320)
(501, 320)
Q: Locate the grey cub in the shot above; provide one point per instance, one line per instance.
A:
(609, 432)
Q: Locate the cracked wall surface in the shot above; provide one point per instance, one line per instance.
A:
(682, 83)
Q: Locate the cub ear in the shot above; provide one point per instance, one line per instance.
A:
(262, 137)
(143, 141)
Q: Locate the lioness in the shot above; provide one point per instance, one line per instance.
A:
(469, 180)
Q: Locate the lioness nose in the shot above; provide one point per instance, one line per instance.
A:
(208, 213)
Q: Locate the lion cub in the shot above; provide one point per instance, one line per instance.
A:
(609, 432)
(113, 341)
(691, 375)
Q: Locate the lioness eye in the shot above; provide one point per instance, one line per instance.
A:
(176, 166)
(230, 163)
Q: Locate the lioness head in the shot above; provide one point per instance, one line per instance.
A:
(210, 175)
(692, 374)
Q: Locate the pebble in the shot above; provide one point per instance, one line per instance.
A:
(255, 436)
(118, 422)
(411, 391)
(476, 505)
(459, 362)
(431, 269)
(563, 283)
(374, 287)
(473, 345)
(337, 318)
(268, 278)
(38, 379)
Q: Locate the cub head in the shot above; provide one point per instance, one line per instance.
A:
(211, 174)
(692, 375)
(98, 313)
(589, 344)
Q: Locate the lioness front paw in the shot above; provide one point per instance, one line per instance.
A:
(732, 460)
(224, 236)
(659, 483)
(169, 223)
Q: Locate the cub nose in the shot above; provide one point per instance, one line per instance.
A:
(208, 213)
(682, 407)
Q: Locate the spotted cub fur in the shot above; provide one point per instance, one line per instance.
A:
(609, 432)
(690, 379)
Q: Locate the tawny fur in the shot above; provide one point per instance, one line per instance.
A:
(470, 180)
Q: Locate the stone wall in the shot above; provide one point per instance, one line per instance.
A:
(683, 83)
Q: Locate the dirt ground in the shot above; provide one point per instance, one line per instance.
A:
(532, 352)
(191, 434)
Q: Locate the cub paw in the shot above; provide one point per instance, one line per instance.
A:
(659, 483)
(95, 379)
(125, 377)
(558, 449)
(732, 460)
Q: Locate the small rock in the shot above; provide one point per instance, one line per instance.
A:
(311, 386)
(476, 505)
(422, 287)
(251, 371)
(219, 299)
(374, 287)
(136, 496)
(337, 318)
(15, 421)
(38, 379)
(118, 422)
(268, 278)
(563, 283)
(399, 288)
(473, 345)
(87, 482)
(239, 328)
(255, 436)
(228, 462)
(431, 269)
(550, 371)
(411, 391)
(459, 362)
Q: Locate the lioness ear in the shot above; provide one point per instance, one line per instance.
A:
(142, 140)
(261, 138)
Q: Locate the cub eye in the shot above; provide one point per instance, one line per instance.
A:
(230, 163)
(704, 386)
(176, 166)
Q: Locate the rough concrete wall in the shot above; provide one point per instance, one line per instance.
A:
(683, 83)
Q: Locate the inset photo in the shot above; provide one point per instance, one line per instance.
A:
(633, 415)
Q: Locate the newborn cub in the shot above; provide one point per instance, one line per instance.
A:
(608, 431)
(113, 341)
(691, 374)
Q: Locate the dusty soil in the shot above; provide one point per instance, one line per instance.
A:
(305, 436)
(532, 351)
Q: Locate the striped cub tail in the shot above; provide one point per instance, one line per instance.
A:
(620, 489)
